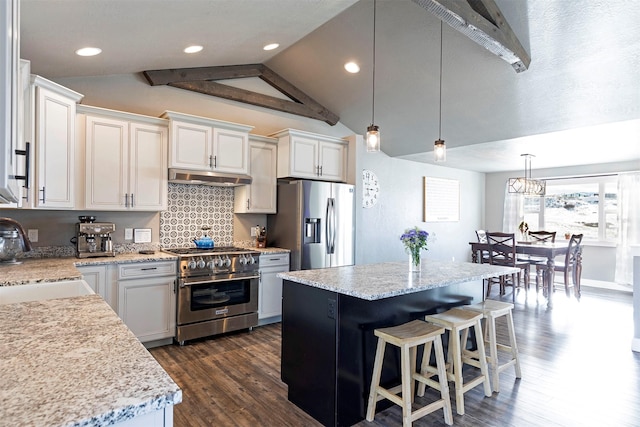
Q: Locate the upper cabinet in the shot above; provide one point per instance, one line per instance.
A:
(199, 143)
(126, 160)
(54, 109)
(260, 195)
(313, 156)
(9, 99)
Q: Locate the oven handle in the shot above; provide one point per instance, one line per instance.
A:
(204, 282)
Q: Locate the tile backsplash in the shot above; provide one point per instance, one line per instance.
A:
(190, 207)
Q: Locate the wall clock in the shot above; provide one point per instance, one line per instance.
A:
(370, 188)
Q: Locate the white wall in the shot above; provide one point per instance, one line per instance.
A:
(400, 206)
(598, 261)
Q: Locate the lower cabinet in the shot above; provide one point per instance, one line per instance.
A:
(270, 294)
(96, 277)
(147, 299)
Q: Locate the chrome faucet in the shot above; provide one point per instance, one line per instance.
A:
(26, 243)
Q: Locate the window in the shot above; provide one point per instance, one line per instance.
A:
(585, 206)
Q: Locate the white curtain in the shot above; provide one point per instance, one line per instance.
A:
(513, 212)
(629, 224)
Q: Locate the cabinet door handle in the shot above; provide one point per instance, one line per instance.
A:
(131, 199)
(260, 276)
(43, 195)
(27, 162)
(320, 170)
(126, 200)
(211, 162)
(247, 204)
(149, 268)
(215, 162)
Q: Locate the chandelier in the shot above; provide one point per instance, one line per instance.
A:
(526, 185)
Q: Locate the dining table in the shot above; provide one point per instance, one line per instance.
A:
(548, 250)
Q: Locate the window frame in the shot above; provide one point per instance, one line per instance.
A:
(602, 182)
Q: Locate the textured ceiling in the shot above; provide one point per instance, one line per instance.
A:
(582, 81)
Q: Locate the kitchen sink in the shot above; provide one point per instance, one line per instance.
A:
(43, 291)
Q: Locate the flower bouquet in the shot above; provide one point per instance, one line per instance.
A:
(415, 240)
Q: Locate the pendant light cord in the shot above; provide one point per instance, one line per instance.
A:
(440, 109)
(373, 102)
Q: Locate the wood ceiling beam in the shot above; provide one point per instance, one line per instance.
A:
(483, 22)
(202, 80)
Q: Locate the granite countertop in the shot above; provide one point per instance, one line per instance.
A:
(72, 361)
(269, 250)
(378, 281)
(37, 270)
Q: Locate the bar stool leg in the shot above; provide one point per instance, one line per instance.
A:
(407, 397)
(493, 352)
(442, 379)
(375, 379)
(484, 369)
(513, 345)
(454, 345)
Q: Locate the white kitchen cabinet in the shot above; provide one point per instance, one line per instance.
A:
(260, 195)
(126, 161)
(200, 143)
(270, 293)
(96, 277)
(147, 299)
(9, 99)
(313, 156)
(55, 144)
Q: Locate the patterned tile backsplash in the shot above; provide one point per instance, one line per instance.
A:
(190, 207)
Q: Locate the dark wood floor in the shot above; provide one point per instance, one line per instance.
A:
(578, 370)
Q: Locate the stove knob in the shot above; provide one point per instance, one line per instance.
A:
(243, 259)
(200, 263)
(191, 265)
(217, 261)
(252, 260)
(211, 265)
(227, 261)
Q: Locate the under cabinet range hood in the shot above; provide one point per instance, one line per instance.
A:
(215, 179)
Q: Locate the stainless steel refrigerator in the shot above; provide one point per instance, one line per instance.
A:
(315, 220)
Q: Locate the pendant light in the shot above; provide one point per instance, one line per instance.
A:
(373, 132)
(439, 147)
(526, 185)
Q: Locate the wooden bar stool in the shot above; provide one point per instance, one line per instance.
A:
(408, 337)
(491, 310)
(456, 321)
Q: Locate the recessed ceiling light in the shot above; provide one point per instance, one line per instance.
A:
(271, 46)
(193, 49)
(352, 67)
(88, 51)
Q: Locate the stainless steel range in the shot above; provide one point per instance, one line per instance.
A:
(217, 291)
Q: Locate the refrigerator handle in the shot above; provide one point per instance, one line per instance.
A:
(331, 226)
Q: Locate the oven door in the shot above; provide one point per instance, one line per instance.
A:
(203, 300)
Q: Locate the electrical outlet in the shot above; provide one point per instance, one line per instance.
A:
(128, 234)
(32, 234)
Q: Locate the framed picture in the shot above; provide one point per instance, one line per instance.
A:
(441, 200)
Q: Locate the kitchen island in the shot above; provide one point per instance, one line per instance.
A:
(71, 361)
(328, 319)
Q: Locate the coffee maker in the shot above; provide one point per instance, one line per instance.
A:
(93, 239)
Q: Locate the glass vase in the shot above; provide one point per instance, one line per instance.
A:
(414, 262)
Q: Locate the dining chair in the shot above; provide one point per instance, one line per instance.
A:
(542, 236)
(503, 252)
(570, 265)
(482, 238)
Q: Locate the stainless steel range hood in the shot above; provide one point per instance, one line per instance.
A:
(216, 179)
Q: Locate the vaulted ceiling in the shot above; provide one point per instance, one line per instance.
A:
(578, 103)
